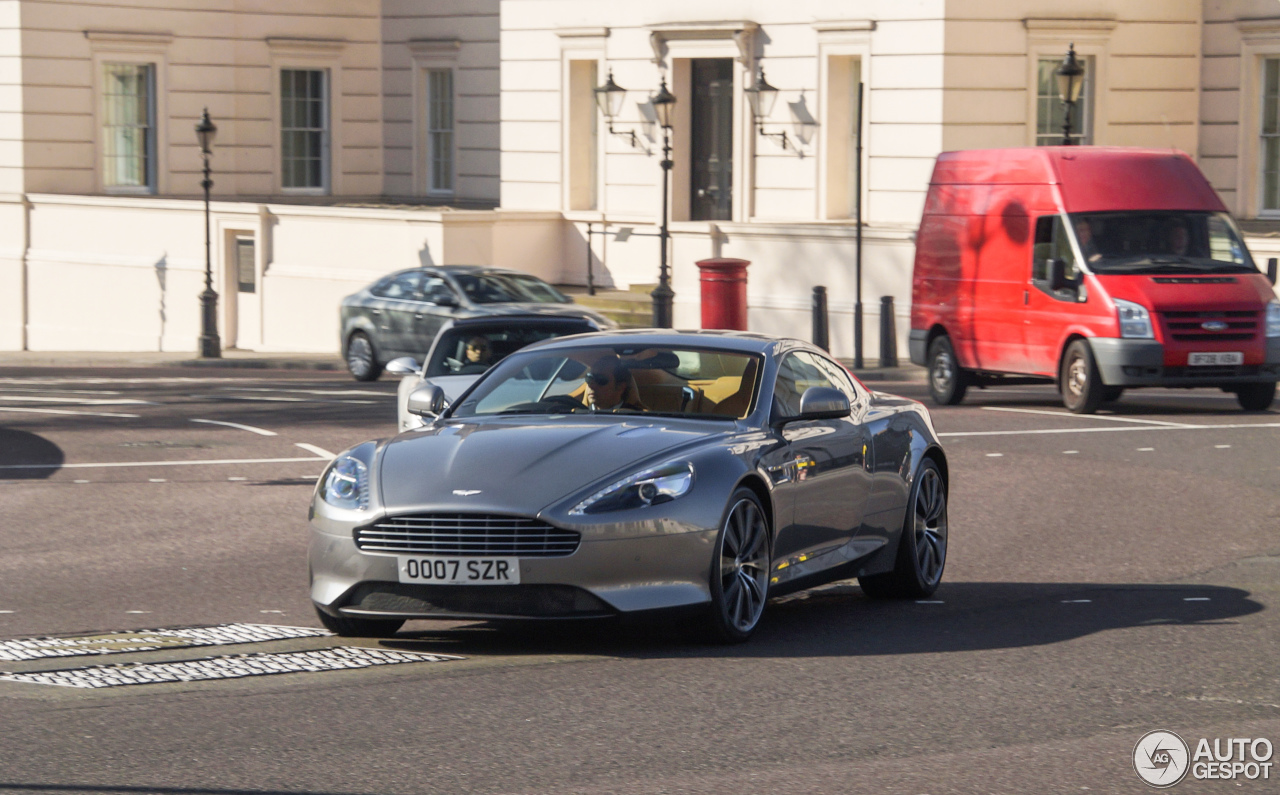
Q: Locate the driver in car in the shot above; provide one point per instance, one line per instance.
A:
(478, 351)
(609, 386)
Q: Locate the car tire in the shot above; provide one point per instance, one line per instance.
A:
(347, 627)
(948, 381)
(922, 548)
(1256, 397)
(1110, 394)
(362, 359)
(739, 570)
(1082, 387)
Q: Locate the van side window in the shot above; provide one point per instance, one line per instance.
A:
(1052, 243)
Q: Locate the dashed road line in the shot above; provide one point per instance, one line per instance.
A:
(250, 428)
(1143, 429)
(311, 448)
(15, 410)
(1105, 417)
(78, 401)
(211, 462)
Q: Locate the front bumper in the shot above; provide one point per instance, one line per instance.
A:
(604, 576)
(1140, 362)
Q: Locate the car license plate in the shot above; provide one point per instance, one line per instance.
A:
(459, 571)
(1200, 359)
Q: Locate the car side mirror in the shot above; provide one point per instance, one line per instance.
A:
(444, 298)
(1271, 270)
(823, 403)
(405, 365)
(426, 401)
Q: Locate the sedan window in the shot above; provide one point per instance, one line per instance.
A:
(405, 286)
(500, 288)
(798, 373)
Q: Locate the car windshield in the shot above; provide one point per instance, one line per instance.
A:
(470, 350)
(502, 288)
(1160, 242)
(619, 379)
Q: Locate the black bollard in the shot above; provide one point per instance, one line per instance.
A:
(821, 338)
(1271, 270)
(888, 334)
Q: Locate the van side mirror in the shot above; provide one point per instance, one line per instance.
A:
(1058, 275)
(1271, 270)
(426, 400)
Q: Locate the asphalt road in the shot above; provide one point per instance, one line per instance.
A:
(1108, 576)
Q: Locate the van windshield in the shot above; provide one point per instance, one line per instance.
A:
(1160, 242)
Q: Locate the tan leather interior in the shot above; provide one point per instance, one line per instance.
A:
(658, 390)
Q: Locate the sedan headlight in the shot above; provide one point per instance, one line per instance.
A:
(1273, 319)
(346, 485)
(651, 487)
(1135, 321)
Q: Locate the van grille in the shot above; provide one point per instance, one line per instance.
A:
(466, 535)
(1241, 325)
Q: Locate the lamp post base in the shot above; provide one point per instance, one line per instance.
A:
(210, 343)
(662, 296)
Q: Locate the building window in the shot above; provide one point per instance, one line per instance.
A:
(583, 134)
(129, 124)
(245, 266)
(844, 117)
(440, 130)
(304, 128)
(1270, 143)
(1050, 110)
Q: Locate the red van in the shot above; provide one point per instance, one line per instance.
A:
(1100, 268)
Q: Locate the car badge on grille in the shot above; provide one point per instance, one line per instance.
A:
(466, 492)
(1213, 325)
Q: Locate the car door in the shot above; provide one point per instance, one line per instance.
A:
(437, 303)
(828, 481)
(1048, 311)
(401, 297)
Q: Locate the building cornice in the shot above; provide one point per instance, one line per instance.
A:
(743, 32)
(297, 44)
(1070, 23)
(434, 47)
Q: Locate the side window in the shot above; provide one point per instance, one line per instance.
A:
(798, 373)
(839, 377)
(1052, 242)
(405, 287)
(435, 288)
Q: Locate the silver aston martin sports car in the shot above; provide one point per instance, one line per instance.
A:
(611, 473)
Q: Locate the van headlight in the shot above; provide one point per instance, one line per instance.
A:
(1135, 320)
(651, 487)
(346, 484)
(1273, 319)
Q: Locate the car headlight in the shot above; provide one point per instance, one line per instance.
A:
(1273, 319)
(1135, 321)
(346, 485)
(651, 487)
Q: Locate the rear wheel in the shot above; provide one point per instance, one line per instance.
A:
(1082, 387)
(362, 361)
(347, 627)
(947, 380)
(1256, 397)
(922, 550)
(740, 570)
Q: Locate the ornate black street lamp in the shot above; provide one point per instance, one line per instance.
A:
(1070, 82)
(210, 344)
(762, 98)
(610, 97)
(663, 105)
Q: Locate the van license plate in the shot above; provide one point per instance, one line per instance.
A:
(459, 571)
(1229, 357)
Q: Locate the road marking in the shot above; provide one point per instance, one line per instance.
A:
(213, 462)
(311, 448)
(1076, 601)
(1222, 446)
(79, 401)
(80, 481)
(137, 612)
(65, 411)
(250, 428)
(236, 478)
(277, 399)
(227, 667)
(1195, 599)
(1088, 416)
(1042, 431)
(995, 455)
(156, 480)
(326, 392)
(930, 602)
(128, 641)
(1070, 452)
(6, 612)
(1146, 449)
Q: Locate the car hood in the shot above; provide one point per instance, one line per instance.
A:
(1174, 292)
(518, 464)
(545, 310)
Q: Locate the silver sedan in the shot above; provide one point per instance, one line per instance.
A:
(613, 473)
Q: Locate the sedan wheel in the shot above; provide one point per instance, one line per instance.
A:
(361, 360)
(740, 574)
(922, 551)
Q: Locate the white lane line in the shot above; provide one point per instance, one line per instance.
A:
(1068, 414)
(236, 478)
(1070, 452)
(995, 455)
(1195, 599)
(137, 612)
(250, 428)
(1224, 426)
(277, 399)
(1076, 601)
(325, 392)
(1146, 449)
(156, 480)
(6, 612)
(1222, 446)
(311, 448)
(65, 411)
(930, 602)
(78, 401)
(79, 481)
(212, 462)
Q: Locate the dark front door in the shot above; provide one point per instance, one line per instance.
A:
(711, 197)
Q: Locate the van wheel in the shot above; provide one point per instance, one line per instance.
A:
(947, 380)
(1110, 394)
(1082, 387)
(1256, 397)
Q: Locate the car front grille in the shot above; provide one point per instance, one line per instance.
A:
(466, 535)
(1241, 325)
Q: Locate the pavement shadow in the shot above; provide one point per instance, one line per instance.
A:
(839, 620)
(39, 457)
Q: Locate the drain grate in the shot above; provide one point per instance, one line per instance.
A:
(150, 640)
(228, 667)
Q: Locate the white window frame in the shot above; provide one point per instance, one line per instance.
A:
(432, 55)
(850, 39)
(1049, 39)
(309, 54)
(326, 150)
(1260, 40)
(138, 48)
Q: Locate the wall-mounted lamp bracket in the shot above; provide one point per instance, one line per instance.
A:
(783, 140)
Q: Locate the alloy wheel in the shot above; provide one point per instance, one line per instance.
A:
(930, 526)
(744, 566)
(359, 356)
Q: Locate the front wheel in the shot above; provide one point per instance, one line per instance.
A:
(739, 570)
(362, 362)
(1256, 397)
(1082, 387)
(347, 627)
(947, 380)
(922, 550)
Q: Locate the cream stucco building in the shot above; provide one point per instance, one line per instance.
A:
(361, 136)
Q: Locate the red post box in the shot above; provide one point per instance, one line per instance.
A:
(724, 292)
